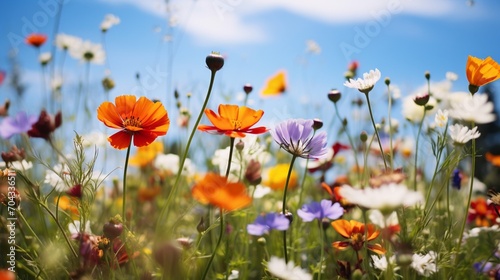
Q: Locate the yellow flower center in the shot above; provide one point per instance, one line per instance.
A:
(236, 124)
(132, 121)
(357, 240)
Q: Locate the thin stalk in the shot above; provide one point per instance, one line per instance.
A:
(124, 193)
(416, 150)
(284, 204)
(471, 178)
(376, 130)
(322, 244)
(221, 231)
(391, 152)
(164, 211)
(351, 142)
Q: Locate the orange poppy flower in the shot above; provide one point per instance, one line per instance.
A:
(354, 231)
(143, 119)
(275, 85)
(233, 121)
(36, 39)
(481, 71)
(215, 190)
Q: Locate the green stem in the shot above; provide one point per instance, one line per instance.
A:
(231, 148)
(416, 150)
(376, 130)
(351, 142)
(391, 152)
(471, 178)
(63, 232)
(164, 211)
(322, 244)
(221, 232)
(124, 193)
(284, 204)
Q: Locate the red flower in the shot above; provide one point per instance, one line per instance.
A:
(45, 125)
(36, 39)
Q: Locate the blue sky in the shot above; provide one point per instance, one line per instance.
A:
(402, 38)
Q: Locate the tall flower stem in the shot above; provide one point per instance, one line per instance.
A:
(351, 142)
(391, 151)
(322, 244)
(471, 178)
(124, 192)
(284, 204)
(416, 150)
(221, 231)
(164, 211)
(376, 130)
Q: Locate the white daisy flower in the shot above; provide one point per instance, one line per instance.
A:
(461, 134)
(366, 84)
(109, 21)
(21, 165)
(286, 271)
(386, 198)
(45, 58)
(68, 42)
(380, 262)
(425, 265)
(473, 108)
(441, 118)
(89, 52)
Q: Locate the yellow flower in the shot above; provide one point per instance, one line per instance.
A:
(276, 177)
(146, 154)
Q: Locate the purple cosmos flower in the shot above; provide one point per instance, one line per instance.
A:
(320, 210)
(18, 124)
(296, 137)
(264, 223)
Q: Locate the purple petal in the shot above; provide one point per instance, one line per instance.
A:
(330, 211)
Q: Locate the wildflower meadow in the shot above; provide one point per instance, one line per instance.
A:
(126, 186)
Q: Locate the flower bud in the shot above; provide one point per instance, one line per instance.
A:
(334, 95)
(427, 75)
(75, 191)
(473, 89)
(240, 145)
(113, 228)
(214, 61)
(363, 136)
(387, 81)
(14, 154)
(422, 99)
(201, 227)
(317, 124)
(253, 172)
(108, 83)
(247, 88)
(261, 241)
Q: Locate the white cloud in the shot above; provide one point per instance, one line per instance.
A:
(229, 21)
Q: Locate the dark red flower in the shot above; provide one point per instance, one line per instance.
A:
(45, 125)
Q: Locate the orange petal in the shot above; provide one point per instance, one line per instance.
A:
(107, 114)
(340, 245)
(144, 138)
(248, 117)
(120, 140)
(343, 227)
(229, 112)
(377, 248)
(125, 105)
(219, 122)
(372, 233)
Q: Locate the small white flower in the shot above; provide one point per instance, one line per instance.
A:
(441, 118)
(56, 83)
(385, 198)
(366, 84)
(170, 163)
(68, 42)
(22, 165)
(425, 265)
(312, 47)
(380, 262)
(461, 134)
(95, 138)
(235, 275)
(89, 52)
(109, 21)
(286, 271)
(45, 58)
(261, 191)
(473, 108)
